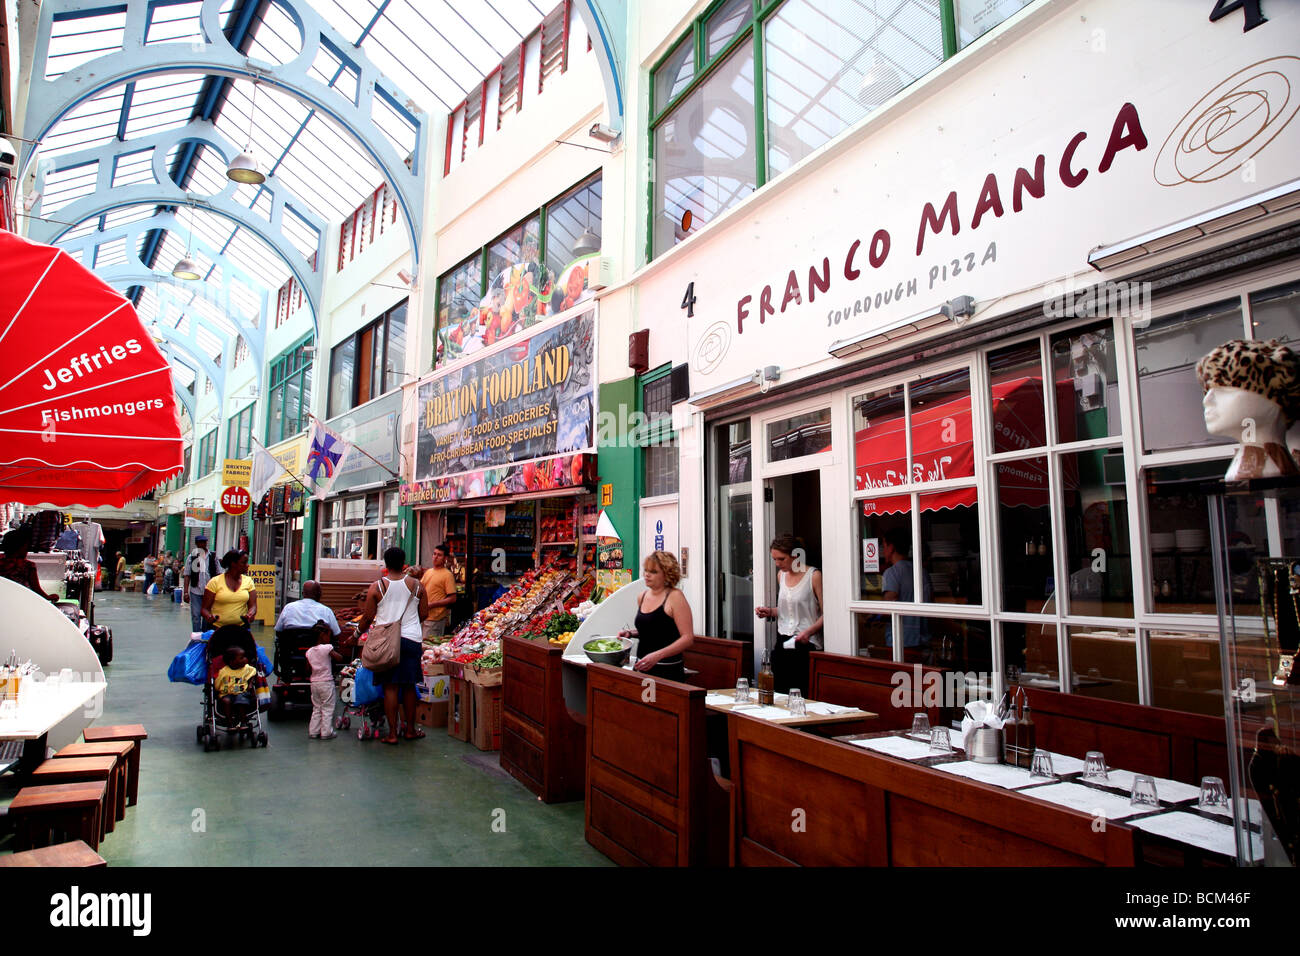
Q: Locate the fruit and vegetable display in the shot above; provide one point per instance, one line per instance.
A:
(539, 605)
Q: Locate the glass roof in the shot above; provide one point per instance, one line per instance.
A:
(435, 51)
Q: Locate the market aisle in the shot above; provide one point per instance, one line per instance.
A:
(307, 802)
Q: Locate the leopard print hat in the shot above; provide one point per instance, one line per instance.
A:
(1265, 368)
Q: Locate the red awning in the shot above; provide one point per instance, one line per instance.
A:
(87, 412)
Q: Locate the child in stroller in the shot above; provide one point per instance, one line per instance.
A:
(229, 694)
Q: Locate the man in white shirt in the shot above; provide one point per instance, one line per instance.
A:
(200, 567)
(307, 611)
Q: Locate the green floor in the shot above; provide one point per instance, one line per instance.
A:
(436, 801)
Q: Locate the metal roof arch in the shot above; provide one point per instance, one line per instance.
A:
(50, 100)
(190, 346)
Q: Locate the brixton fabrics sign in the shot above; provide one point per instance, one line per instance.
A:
(531, 399)
(236, 471)
(264, 580)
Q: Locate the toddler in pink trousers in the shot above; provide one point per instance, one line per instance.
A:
(319, 658)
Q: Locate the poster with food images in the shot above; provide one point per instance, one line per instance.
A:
(527, 400)
(519, 296)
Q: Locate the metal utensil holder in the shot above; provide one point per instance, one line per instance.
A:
(984, 745)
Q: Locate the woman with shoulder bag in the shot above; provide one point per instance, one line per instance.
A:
(393, 610)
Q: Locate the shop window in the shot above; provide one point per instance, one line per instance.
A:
(953, 644)
(357, 527)
(880, 439)
(933, 417)
(1016, 379)
(1275, 314)
(1087, 384)
(824, 72)
(1185, 671)
(239, 434)
(977, 17)
(1104, 663)
(369, 363)
(1098, 563)
(1178, 528)
(573, 222)
(705, 152)
(799, 435)
(950, 545)
(1166, 355)
(885, 535)
(661, 470)
(458, 294)
(1025, 534)
(1030, 655)
(514, 273)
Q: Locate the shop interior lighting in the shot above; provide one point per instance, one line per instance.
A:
(957, 308)
(1271, 202)
(243, 168)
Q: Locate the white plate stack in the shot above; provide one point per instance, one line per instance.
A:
(1191, 540)
(1162, 541)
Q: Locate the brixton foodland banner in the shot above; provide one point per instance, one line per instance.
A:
(531, 399)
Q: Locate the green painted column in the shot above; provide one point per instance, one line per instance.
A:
(309, 541)
(619, 464)
(410, 535)
(175, 533)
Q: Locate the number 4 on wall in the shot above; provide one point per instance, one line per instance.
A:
(688, 301)
(1254, 17)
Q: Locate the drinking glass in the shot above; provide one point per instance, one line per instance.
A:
(1094, 766)
(1213, 796)
(742, 691)
(1144, 792)
(940, 741)
(921, 725)
(796, 702)
(1041, 765)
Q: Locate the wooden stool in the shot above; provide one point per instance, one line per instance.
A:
(120, 749)
(133, 732)
(88, 769)
(74, 809)
(61, 855)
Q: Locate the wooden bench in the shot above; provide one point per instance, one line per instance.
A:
(120, 749)
(648, 792)
(132, 732)
(805, 800)
(1173, 744)
(74, 810)
(542, 746)
(89, 770)
(718, 662)
(872, 685)
(74, 853)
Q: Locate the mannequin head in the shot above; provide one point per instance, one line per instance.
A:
(1244, 416)
(1252, 396)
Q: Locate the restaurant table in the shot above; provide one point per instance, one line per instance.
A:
(39, 709)
(1198, 835)
(841, 715)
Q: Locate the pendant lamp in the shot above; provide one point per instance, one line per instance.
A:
(244, 167)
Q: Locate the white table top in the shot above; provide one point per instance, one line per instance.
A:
(42, 707)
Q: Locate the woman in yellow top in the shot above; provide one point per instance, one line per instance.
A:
(230, 598)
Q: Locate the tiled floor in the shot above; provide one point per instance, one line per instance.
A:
(300, 801)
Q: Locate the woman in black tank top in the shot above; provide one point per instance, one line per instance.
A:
(664, 627)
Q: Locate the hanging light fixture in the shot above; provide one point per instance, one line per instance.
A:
(244, 168)
(588, 243)
(187, 268)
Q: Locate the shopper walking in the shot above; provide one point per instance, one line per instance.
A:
(664, 627)
(119, 573)
(798, 613)
(230, 599)
(200, 567)
(397, 596)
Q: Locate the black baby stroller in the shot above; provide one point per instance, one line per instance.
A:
(214, 722)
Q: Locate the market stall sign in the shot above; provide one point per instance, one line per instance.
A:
(198, 517)
(235, 501)
(529, 400)
(236, 472)
(566, 471)
(264, 580)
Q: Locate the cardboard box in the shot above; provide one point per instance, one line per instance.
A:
(433, 669)
(484, 676)
(458, 710)
(437, 688)
(485, 731)
(430, 714)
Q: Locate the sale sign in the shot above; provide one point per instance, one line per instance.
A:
(235, 501)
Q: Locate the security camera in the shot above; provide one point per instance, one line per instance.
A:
(8, 157)
(603, 133)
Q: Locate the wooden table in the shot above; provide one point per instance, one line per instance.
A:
(40, 708)
(807, 720)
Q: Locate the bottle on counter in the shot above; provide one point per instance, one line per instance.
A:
(1011, 737)
(766, 682)
(1028, 738)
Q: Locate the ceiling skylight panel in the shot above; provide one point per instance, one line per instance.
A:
(125, 215)
(522, 15)
(423, 68)
(162, 102)
(276, 38)
(208, 340)
(460, 31)
(111, 253)
(174, 23)
(66, 186)
(93, 121)
(302, 235)
(80, 38)
(397, 129)
(257, 259)
(132, 168)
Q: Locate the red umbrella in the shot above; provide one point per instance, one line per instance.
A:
(87, 412)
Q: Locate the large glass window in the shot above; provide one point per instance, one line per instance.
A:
(369, 363)
(239, 434)
(1098, 563)
(289, 396)
(1087, 384)
(977, 17)
(535, 270)
(360, 527)
(806, 434)
(1275, 313)
(207, 454)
